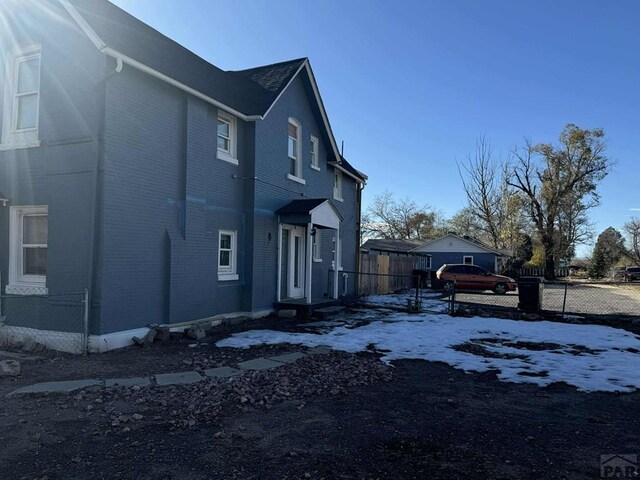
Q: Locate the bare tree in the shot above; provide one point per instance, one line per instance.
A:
(632, 229)
(495, 204)
(481, 182)
(549, 175)
(390, 218)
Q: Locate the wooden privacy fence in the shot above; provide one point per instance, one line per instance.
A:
(380, 274)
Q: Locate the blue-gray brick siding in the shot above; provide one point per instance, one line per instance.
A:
(274, 190)
(167, 196)
(61, 172)
(133, 161)
(484, 260)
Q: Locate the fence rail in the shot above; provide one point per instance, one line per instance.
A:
(539, 272)
(52, 321)
(568, 299)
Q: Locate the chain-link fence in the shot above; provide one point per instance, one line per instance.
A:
(581, 299)
(52, 321)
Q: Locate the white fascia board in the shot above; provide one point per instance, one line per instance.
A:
(337, 166)
(316, 92)
(102, 46)
(84, 26)
(284, 89)
(165, 78)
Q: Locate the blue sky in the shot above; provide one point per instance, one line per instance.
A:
(410, 85)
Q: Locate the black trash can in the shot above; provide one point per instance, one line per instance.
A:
(530, 293)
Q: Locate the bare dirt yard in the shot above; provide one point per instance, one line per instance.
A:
(332, 416)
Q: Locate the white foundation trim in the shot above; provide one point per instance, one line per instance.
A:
(112, 341)
(72, 342)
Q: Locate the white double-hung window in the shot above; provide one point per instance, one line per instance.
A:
(227, 255)
(227, 138)
(315, 161)
(28, 242)
(21, 99)
(337, 185)
(317, 245)
(294, 151)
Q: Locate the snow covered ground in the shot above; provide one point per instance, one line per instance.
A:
(589, 357)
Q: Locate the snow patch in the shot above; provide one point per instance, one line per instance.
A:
(589, 357)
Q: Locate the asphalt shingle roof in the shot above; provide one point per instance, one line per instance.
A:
(301, 206)
(249, 91)
(391, 244)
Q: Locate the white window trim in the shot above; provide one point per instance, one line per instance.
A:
(464, 257)
(337, 186)
(228, 273)
(428, 263)
(296, 179)
(298, 158)
(339, 244)
(23, 284)
(231, 155)
(315, 164)
(317, 245)
(11, 138)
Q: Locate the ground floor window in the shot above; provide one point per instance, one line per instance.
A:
(317, 245)
(28, 244)
(467, 260)
(227, 255)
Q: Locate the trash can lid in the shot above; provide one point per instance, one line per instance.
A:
(531, 280)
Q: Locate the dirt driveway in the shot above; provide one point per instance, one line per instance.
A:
(334, 416)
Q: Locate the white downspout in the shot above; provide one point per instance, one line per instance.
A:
(308, 263)
(279, 272)
(335, 264)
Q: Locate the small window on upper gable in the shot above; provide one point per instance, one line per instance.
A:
(337, 185)
(227, 138)
(315, 159)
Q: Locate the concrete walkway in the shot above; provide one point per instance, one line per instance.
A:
(167, 379)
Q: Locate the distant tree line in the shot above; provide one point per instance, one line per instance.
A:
(534, 204)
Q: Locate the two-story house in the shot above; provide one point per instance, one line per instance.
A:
(171, 189)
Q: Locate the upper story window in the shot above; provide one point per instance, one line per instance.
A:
(22, 99)
(28, 242)
(294, 152)
(227, 138)
(337, 185)
(315, 162)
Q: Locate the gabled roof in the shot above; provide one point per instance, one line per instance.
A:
(301, 206)
(391, 244)
(248, 94)
(250, 91)
(319, 211)
(476, 243)
(273, 79)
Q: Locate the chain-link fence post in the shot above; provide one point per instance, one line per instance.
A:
(85, 322)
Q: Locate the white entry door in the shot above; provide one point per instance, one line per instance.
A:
(296, 262)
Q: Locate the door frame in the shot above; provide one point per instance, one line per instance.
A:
(293, 267)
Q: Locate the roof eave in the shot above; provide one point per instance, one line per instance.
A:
(104, 48)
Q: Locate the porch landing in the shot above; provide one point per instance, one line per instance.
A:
(304, 309)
